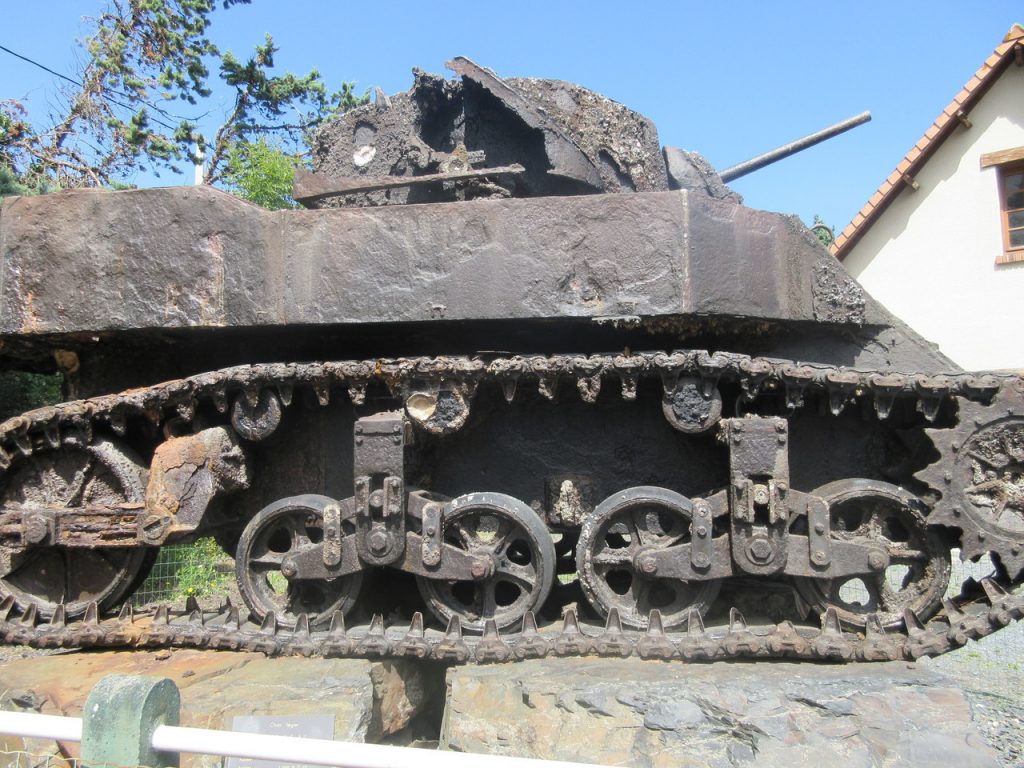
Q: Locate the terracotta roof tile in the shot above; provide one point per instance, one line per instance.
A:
(918, 155)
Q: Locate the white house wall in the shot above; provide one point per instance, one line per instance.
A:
(930, 256)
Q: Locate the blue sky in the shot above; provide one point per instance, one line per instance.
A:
(729, 80)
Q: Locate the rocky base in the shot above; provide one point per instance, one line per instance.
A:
(369, 700)
(648, 713)
(606, 711)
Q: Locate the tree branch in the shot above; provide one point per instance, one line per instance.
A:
(227, 131)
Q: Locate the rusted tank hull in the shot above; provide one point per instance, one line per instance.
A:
(193, 276)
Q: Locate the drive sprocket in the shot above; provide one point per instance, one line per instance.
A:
(980, 476)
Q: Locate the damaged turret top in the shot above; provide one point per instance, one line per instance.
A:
(480, 136)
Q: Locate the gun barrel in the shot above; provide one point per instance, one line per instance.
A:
(742, 169)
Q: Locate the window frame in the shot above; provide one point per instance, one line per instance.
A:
(1010, 254)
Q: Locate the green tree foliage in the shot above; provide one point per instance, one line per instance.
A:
(146, 61)
(263, 103)
(261, 173)
(10, 185)
(823, 231)
(22, 391)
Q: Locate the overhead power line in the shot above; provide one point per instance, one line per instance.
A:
(112, 100)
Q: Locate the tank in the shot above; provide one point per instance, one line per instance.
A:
(518, 379)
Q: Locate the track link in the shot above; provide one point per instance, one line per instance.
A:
(990, 608)
(181, 397)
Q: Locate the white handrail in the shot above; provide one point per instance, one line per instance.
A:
(290, 749)
(41, 726)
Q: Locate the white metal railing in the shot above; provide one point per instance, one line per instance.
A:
(289, 749)
(41, 726)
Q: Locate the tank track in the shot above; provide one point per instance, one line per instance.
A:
(753, 374)
(983, 608)
(979, 610)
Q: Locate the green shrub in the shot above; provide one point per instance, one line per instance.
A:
(182, 571)
(197, 574)
(21, 391)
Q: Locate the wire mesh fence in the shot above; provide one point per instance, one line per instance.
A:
(197, 569)
(11, 758)
(162, 581)
(1003, 647)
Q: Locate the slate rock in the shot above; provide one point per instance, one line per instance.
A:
(369, 700)
(649, 713)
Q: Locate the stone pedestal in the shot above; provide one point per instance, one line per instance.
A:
(369, 700)
(650, 713)
(611, 712)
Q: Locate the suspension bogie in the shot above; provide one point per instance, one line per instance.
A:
(643, 548)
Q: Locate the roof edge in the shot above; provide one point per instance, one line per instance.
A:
(928, 144)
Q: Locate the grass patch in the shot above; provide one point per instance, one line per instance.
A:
(186, 570)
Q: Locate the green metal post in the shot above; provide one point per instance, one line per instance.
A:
(120, 715)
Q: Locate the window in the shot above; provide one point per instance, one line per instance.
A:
(1011, 200)
(1009, 165)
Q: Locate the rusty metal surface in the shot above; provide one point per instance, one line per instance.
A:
(185, 474)
(986, 609)
(209, 261)
(310, 187)
(983, 484)
(180, 397)
(68, 488)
